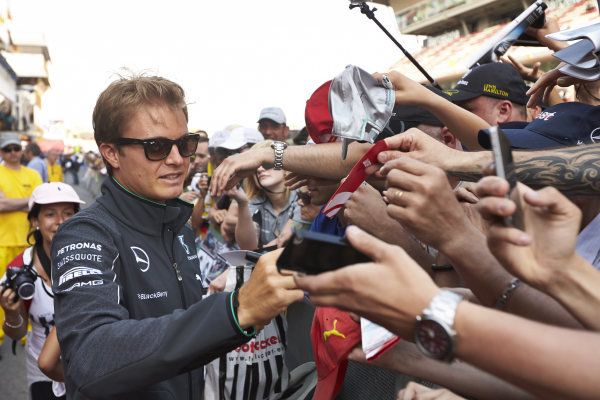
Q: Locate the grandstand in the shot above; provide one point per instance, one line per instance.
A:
(452, 30)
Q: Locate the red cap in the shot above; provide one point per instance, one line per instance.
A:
(334, 334)
(319, 122)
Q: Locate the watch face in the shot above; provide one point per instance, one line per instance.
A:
(433, 339)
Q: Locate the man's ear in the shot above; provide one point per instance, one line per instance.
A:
(449, 139)
(110, 152)
(504, 109)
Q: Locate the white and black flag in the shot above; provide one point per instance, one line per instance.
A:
(255, 370)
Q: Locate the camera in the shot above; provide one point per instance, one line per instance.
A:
(193, 186)
(21, 280)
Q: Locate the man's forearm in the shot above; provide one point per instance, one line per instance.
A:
(458, 376)
(462, 123)
(576, 287)
(9, 204)
(572, 170)
(548, 361)
(486, 277)
(323, 160)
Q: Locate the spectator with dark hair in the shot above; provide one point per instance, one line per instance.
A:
(34, 161)
(50, 205)
(71, 164)
(272, 124)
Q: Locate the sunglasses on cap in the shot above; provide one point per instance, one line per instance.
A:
(9, 149)
(157, 149)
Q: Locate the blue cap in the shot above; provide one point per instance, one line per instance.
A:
(564, 124)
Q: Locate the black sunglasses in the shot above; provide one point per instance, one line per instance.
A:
(9, 149)
(157, 149)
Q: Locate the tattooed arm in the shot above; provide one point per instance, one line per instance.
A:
(575, 170)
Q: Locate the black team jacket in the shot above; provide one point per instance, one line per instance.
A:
(130, 317)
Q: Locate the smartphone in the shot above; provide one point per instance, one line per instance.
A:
(315, 252)
(503, 161)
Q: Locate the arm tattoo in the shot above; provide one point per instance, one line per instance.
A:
(470, 176)
(575, 171)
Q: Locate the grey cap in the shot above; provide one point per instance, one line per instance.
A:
(360, 107)
(273, 113)
(9, 138)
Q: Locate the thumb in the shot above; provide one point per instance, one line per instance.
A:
(367, 244)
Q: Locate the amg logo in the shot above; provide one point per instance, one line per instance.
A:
(95, 282)
(76, 273)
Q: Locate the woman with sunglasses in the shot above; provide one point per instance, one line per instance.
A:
(50, 205)
(264, 207)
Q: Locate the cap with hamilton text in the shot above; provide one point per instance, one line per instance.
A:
(497, 80)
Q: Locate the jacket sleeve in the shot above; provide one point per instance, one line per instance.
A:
(104, 351)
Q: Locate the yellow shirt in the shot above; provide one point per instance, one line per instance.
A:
(55, 173)
(14, 225)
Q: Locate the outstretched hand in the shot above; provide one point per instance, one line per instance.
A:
(552, 223)
(390, 291)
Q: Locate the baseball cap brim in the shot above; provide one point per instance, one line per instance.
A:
(328, 387)
(520, 139)
(458, 95)
(53, 192)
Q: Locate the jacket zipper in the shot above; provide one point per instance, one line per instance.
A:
(181, 294)
(177, 272)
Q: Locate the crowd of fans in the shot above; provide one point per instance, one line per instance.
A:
(174, 266)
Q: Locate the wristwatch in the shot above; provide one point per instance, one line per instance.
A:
(434, 333)
(278, 148)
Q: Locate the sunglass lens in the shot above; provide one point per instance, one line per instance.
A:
(187, 145)
(157, 149)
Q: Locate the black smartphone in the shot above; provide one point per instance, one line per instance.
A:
(504, 164)
(315, 252)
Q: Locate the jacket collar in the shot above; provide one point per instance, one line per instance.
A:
(142, 214)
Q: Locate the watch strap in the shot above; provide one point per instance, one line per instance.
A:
(443, 307)
(278, 148)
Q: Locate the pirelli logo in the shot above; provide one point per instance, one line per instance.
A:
(489, 88)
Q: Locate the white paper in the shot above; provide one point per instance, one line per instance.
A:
(581, 73)
(375, 339)
(590, 31)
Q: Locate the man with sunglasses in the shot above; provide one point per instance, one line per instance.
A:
(130, 317)
(16, 184)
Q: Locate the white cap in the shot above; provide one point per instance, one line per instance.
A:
(240, 137)
(217, 138)
(273, 113)
(53, 192)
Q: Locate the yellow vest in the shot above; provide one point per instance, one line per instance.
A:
(14, 225)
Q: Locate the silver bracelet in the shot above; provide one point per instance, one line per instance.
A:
(506, 295)
(20, 324)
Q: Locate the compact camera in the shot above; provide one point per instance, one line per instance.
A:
(21, 280)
